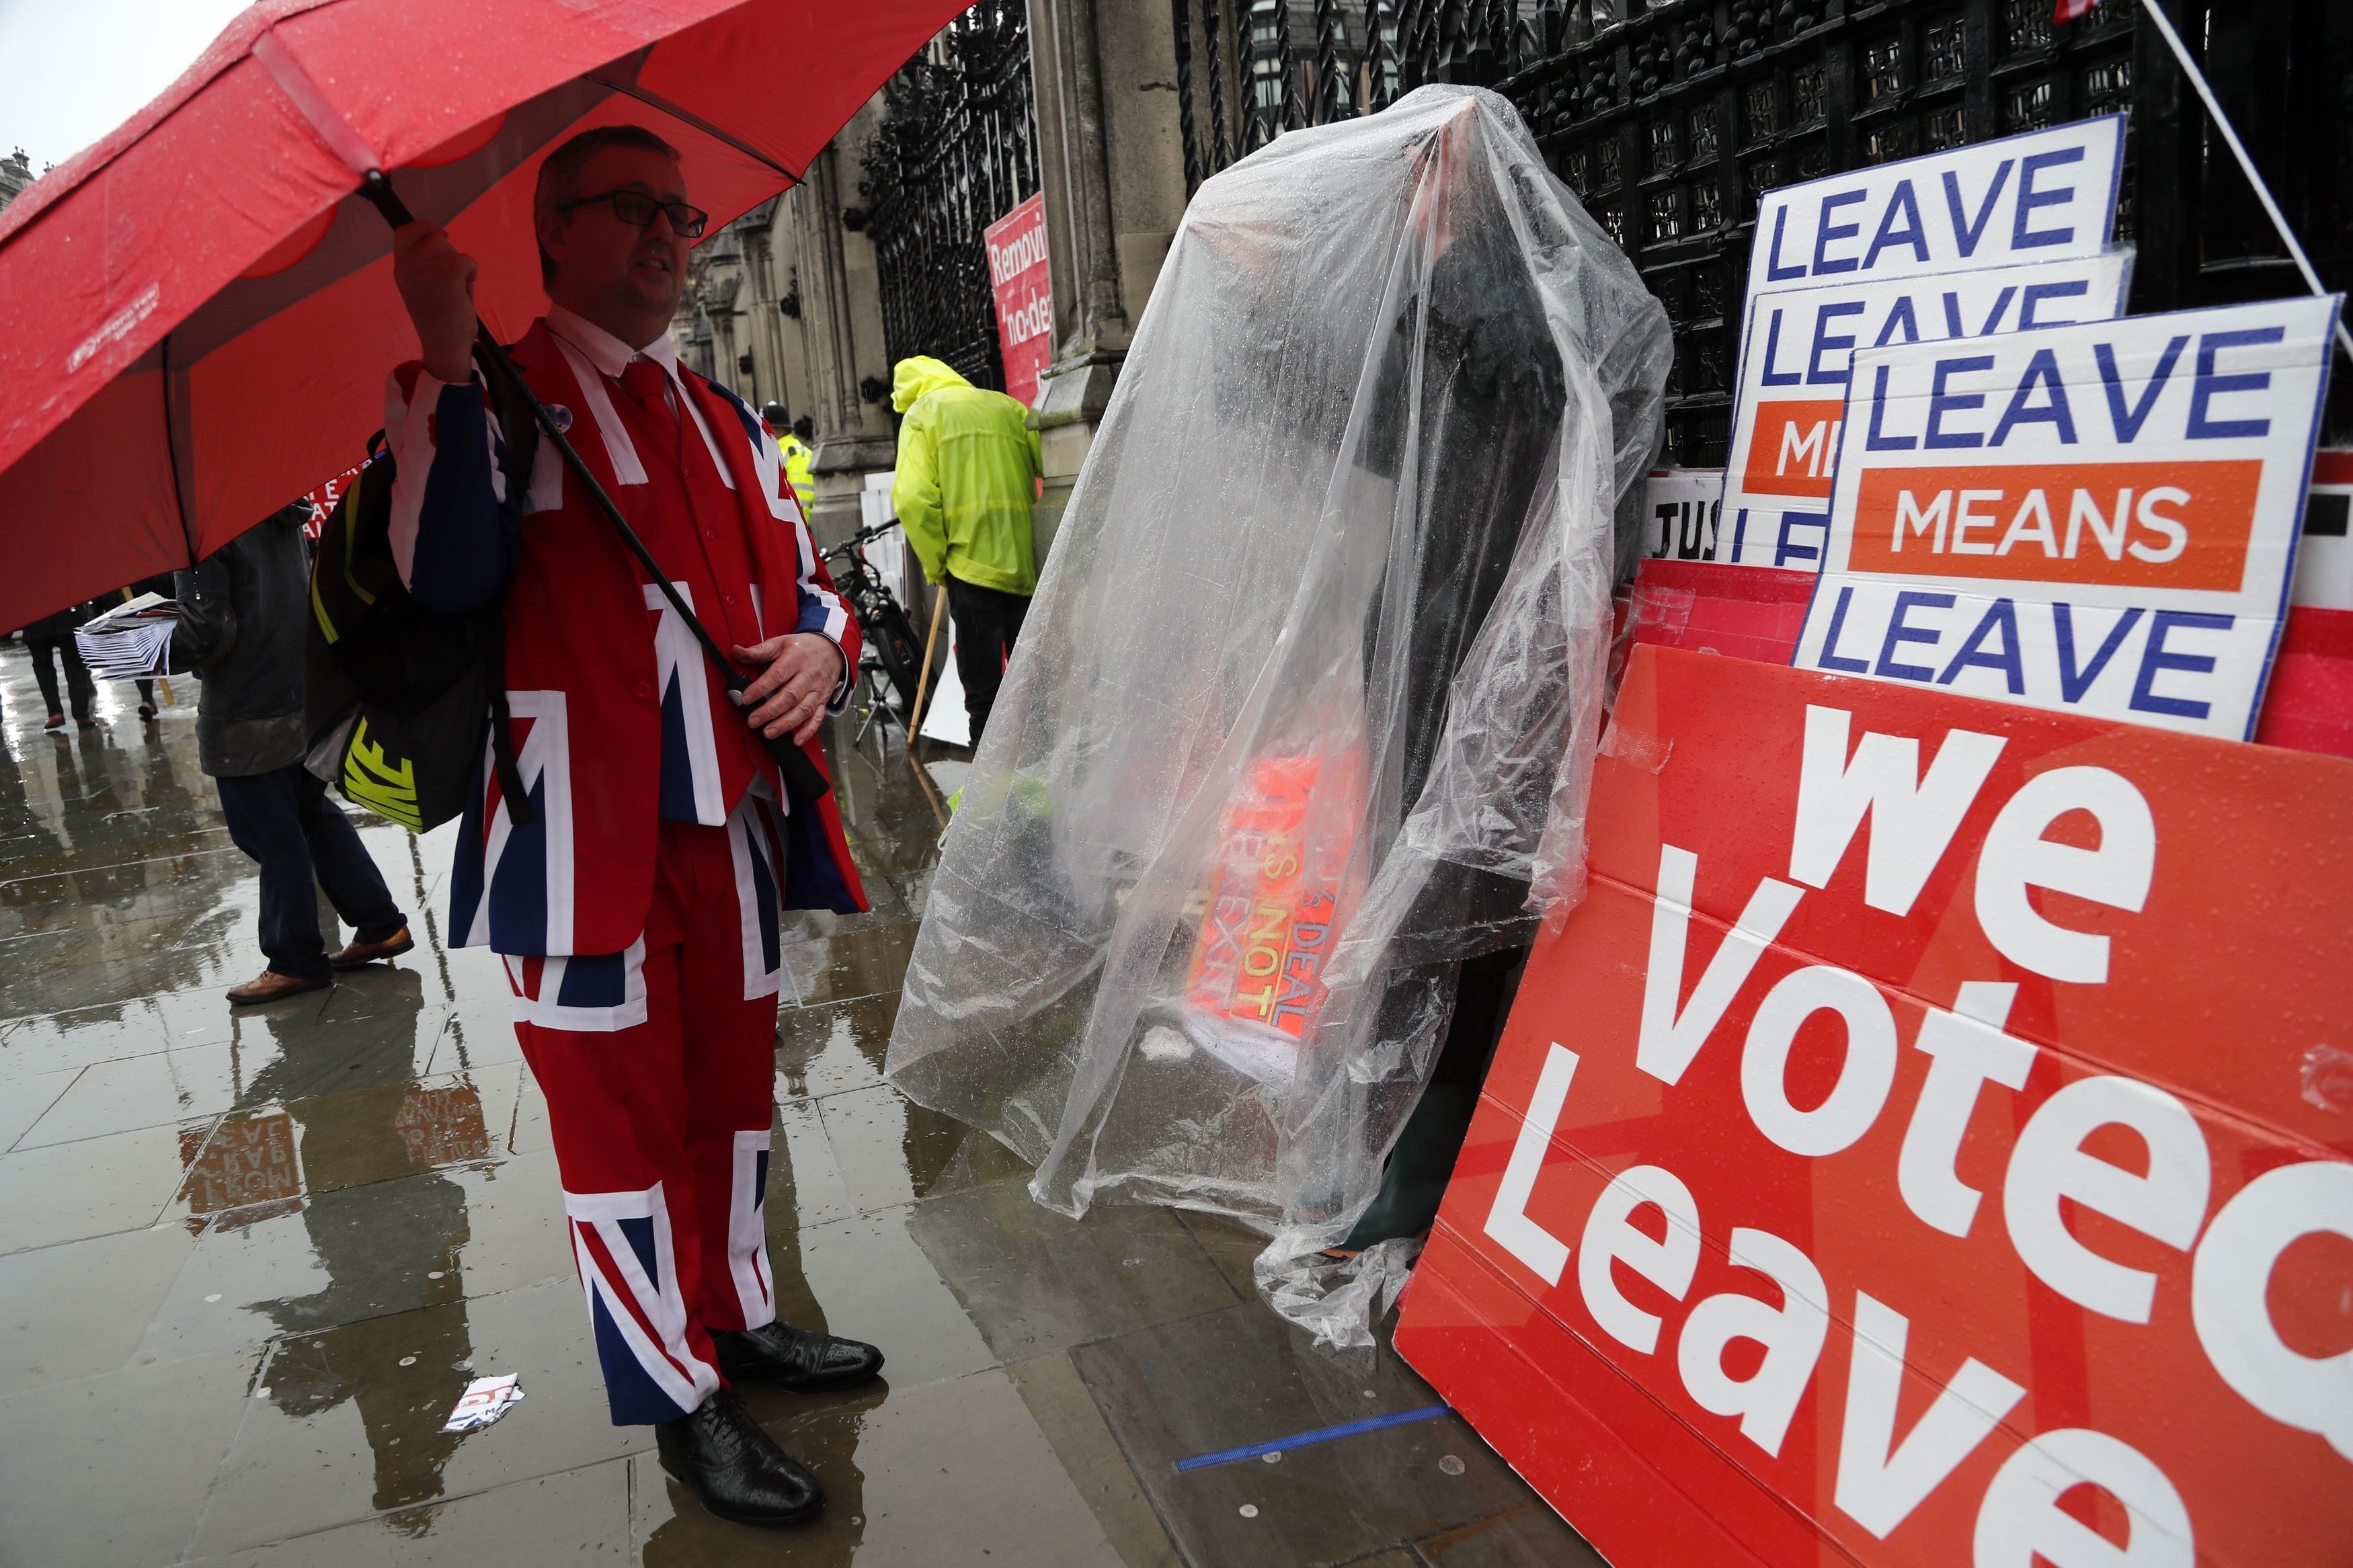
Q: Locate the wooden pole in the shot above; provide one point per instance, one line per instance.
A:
(923, 681)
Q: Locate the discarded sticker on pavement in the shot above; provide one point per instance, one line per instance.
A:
(485, 1400)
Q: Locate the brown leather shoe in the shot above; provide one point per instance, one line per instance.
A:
(364, 952)
(270, 985)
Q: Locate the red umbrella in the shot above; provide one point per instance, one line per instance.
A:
(198, 314)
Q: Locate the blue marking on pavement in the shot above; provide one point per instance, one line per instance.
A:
(1304, 1439)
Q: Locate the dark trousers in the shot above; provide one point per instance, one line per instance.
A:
(303, 841)
(78, 681)
(987, 620)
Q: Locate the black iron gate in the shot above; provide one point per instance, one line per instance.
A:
(957, 149)
(1671, 118)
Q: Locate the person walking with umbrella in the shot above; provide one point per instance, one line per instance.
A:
(638, 899)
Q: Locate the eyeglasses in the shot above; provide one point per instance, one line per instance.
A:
(638, 208)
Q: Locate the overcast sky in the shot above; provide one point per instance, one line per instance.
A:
(71, 71)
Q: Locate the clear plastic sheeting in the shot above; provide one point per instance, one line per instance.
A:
(1305, 707)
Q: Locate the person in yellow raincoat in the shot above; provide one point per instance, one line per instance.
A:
(799, 472)
(968, 471)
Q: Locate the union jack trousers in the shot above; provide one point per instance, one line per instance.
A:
(657, 1064)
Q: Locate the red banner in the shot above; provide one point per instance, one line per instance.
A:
(1927, 1144)
(1025, 296)
(323, 499)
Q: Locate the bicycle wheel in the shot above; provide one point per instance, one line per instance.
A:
(893, 641)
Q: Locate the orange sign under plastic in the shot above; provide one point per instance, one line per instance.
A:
(1273, 898)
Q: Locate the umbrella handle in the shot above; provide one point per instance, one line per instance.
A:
(802, 778)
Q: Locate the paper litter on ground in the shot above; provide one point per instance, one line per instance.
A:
(485, 1400)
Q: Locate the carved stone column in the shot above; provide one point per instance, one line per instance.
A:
(1112, 164)
(841, 323)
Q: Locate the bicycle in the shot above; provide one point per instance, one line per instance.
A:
(893, 651)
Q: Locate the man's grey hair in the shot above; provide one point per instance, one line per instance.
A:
(559, 177)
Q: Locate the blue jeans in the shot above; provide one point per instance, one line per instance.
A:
(303, 841)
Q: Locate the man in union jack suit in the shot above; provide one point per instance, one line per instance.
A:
(638, 902)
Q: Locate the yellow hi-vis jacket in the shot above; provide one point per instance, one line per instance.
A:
(968, 470)
(797, 470)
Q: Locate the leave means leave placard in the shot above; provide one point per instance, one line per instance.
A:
(1901, 252)
(1795, 347)
(2097, 518)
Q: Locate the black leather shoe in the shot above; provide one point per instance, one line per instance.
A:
(795, 1359)
(734, 1467)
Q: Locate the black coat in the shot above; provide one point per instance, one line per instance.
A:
(58, 628)
(242, 630)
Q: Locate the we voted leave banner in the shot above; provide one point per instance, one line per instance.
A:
(1939, 1161)
(2097, 518)
(1796, 347)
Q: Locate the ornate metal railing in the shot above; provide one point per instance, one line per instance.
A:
(957, 149)
(1671, 118)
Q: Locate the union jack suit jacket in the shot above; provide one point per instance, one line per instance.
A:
(594, 663)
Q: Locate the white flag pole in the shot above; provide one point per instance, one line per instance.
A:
(2155, 13)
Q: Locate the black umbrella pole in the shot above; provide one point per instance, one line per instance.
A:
(802, 778)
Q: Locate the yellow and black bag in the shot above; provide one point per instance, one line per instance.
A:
(400, 699)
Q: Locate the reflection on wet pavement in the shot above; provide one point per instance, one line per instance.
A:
(248, 1261)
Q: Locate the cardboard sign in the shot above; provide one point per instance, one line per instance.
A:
(1018, 278)
(2323, 559)
(2043, 196)
(1680, 509)
(1791, 393)
(323, 499)
(2098, 519)
(1939, 1161)
(1271, 909)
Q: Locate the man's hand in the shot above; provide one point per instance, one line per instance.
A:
(437, 283)
(789, 695)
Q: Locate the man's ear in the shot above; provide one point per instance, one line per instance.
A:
(548, 226)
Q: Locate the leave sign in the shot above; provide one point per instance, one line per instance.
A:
(1940, 1161)
(2098, 519)
(2039, 197)
(1795, 349)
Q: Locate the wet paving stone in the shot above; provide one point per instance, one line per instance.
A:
(122, 1464)
(124, 1182)
(869, 1278)
(910, 1481)
(1232, 1246)
(827, 1049)
(891, 1151)
(1034, 1281)
(579, 1516)
(1529, 1536)
(24, 1102)
(81, 1036)
(1328, 1503)
(404, 1129)
(308, 1263)
(881, 855)
(857, 963)
(80, 1308)
(351, 1421)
